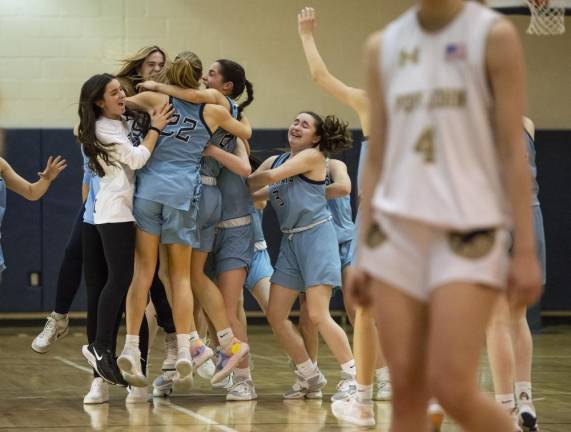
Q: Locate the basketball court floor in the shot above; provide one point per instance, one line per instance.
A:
(45, 392)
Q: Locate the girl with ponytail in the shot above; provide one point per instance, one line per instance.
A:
(226, 229)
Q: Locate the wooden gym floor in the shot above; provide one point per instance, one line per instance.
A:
(45, 392)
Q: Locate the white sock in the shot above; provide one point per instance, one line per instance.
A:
(245, 372)
(382, 374)
(349, 368)
(507, 401)
(194, 337)
(364, 393)
(306, 369)
(132, 341)
(523, 391)
(315, 363)
(225, 337)
(59, 316)
(183, 341)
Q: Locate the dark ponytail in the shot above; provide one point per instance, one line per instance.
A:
(92, 91)
(235, 73)
(334, 133)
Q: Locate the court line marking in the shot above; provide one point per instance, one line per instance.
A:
(73, 364)
(178, 408)
(270, 359)
(201, 418)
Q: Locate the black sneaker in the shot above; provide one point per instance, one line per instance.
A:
(104, 364)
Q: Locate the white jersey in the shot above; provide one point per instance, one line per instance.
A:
(114, 199)
(441, 164)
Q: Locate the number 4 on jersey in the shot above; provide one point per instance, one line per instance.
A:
(425, 145)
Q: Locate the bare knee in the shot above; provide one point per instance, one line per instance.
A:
(276, 317)
(453, 391)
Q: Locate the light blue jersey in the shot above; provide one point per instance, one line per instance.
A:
(298, 201)
(533, 168)
(92, 180)
(2, 212)
(342, 215)
(226, 141)
(236, 196)
(171, 176)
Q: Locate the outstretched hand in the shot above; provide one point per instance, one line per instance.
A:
(162, 117)
(53, 168)
(306, 21)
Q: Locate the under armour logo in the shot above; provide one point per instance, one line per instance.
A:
(408, 56)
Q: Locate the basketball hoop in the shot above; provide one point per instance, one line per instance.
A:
(547, 17)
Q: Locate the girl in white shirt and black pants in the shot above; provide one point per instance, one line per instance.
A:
(104, 136)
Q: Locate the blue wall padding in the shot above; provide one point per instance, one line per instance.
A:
(34, 234)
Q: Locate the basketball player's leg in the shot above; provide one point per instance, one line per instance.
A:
(279, 308)
(403, 320)
(318, 298)
(69, 280)
(501, 354)
(459, 315)
(308, 330)
(207, 293)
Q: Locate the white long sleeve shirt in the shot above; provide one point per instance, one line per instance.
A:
(114, 200)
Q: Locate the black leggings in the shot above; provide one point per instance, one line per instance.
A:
(69, 279)
(69, 276)
(108, 257)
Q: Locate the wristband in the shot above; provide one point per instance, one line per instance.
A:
(157, 130)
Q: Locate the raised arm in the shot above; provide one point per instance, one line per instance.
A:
(238, 163)
(505, 65)
(32, 191)
(146, 101)
(217, 116)
(355, 98)
(303, 162)
(211, 96)
(341, 185)
(375, 152)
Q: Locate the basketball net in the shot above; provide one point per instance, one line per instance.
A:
(547, 17)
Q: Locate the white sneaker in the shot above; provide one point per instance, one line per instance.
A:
(129, 363)
(54, 330)
(346, 387)
(98, 393)
(137, 395)
(206, 370)
(384, 391)
(225, 384)
(354, 412)
(163, 384)
(183, 378)
(242, 390)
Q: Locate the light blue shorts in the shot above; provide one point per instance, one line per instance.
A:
(173, 226)
(260, 268)
(540, 241)
(346, 252)
(309, 258)
(233, 249)
(209, 214)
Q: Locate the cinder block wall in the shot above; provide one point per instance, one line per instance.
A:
(49, 47)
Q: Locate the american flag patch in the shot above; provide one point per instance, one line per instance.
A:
(455, 51)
